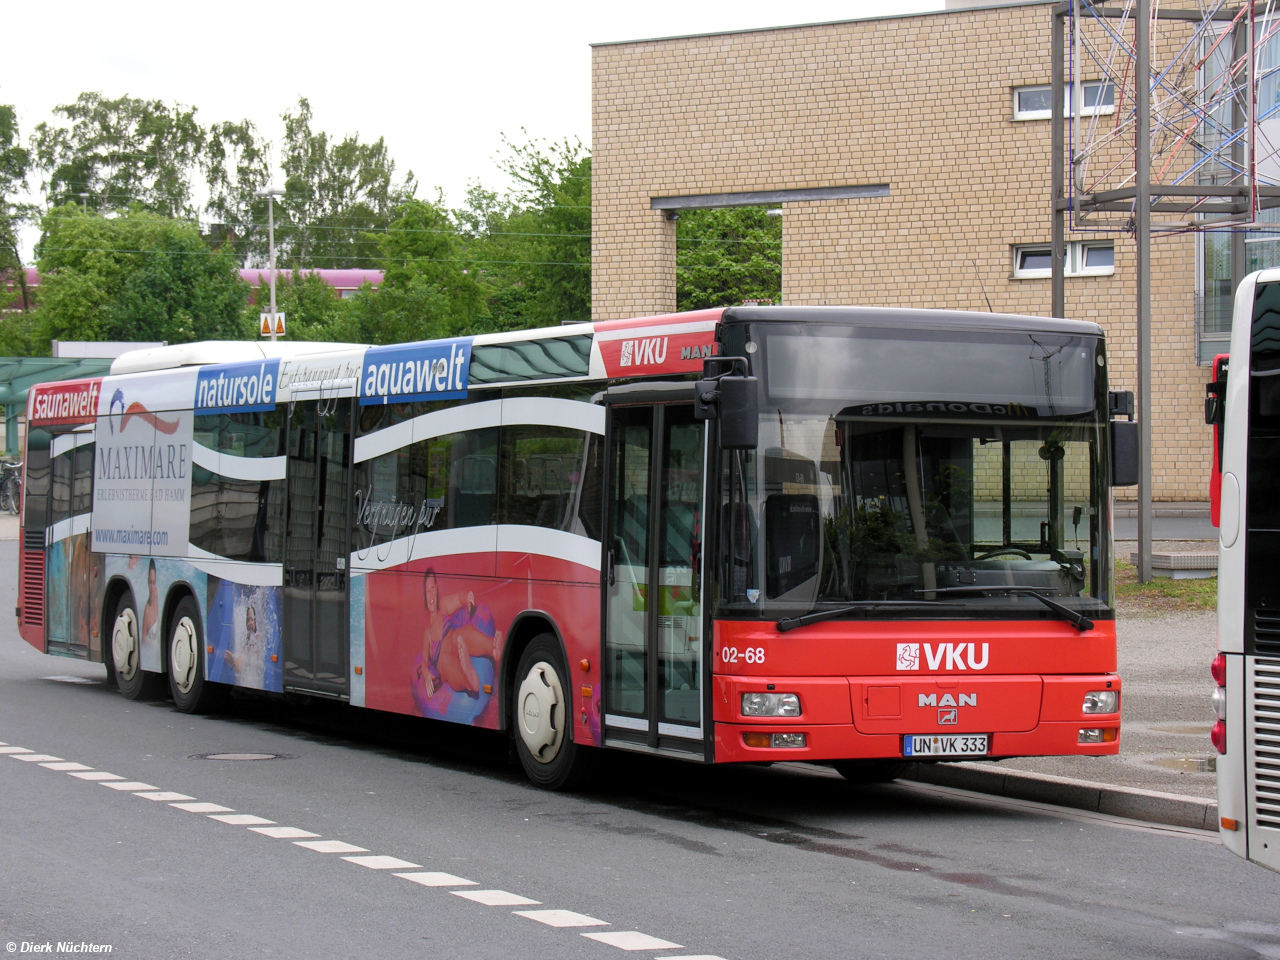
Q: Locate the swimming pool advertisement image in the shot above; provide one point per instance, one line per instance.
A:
(434, 629)
(243, 635)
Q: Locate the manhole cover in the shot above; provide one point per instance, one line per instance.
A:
(241, 756)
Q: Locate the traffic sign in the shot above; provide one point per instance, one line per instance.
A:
(267, 328)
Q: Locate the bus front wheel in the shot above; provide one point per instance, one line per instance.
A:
(543, 718)
(191, 692)
(126, 655)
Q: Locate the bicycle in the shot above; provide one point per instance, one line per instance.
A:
(11, 486)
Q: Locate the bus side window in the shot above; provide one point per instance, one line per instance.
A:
(35, 498)
(591, 497)
(82, 480)
(60, 488)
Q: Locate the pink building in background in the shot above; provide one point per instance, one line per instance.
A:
(346, 283)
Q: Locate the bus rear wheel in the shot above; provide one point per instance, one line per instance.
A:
(542, 712)
(871, 771)
(126, 655)
(191, 692)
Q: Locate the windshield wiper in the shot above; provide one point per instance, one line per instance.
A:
(1076, 619)
(790, 623)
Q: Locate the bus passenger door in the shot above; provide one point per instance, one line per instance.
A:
(653, 651)
(316, 634)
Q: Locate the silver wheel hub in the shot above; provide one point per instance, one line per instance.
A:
(124, 644)
(540, 712)
(183, 655)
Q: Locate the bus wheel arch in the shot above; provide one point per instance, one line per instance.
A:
(184, 654)
(124, 647)
(524, 629)
(541, 712)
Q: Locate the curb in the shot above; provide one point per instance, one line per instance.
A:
(1130, 802)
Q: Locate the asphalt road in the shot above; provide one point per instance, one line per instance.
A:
(733, 863)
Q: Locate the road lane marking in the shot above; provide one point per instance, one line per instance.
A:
(495, 898)
(561, 918)
(283, 833)
(331, 846)
(200, 807)
(376, 862)
(65, 679)
(239, 819)
(632, 940)
(433, 879)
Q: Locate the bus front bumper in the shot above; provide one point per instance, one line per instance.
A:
(872, 718)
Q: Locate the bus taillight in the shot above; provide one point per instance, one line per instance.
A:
(1219, 732)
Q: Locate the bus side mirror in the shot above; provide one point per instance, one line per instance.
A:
(734, 402)
(1124, 453)
(739, 413)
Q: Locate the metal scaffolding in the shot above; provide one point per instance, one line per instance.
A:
(1165, 120)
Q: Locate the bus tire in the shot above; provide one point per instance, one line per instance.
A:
(126, 655)
(191, 692)
(543, 718)
(871, 771)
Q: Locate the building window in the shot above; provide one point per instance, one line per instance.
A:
(1085, 258)
(1036, 103)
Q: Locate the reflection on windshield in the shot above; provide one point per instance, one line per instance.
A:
(839, 508)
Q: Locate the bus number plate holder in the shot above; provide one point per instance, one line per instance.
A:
(946, 745)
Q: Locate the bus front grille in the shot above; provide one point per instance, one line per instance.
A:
(1266, 743)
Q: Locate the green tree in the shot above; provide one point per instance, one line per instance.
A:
(336, 194)
(236, 165)
(139, 276)
(14, 160)
(430, 287)
(311, 307)
(110, 154)
(727, 255)
(534, 246)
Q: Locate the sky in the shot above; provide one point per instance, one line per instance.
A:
(441, 82)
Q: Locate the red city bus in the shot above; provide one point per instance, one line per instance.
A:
(855, 536)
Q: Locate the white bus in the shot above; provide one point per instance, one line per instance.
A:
(1245, 409)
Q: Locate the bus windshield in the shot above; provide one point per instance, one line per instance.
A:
(964, 469)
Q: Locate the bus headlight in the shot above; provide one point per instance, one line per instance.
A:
(1101, 701)
(770, 705)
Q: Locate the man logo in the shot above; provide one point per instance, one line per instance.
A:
(948, 716)
(908, 656)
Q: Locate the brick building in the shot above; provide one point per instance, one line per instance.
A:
(911, 159)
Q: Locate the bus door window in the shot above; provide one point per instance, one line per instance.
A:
(316, 635)
(626, 675)
(679, 596)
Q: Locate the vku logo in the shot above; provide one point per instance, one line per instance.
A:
(944, 656)
(642, 353)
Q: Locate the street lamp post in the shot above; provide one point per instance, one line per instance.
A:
(270, 194)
